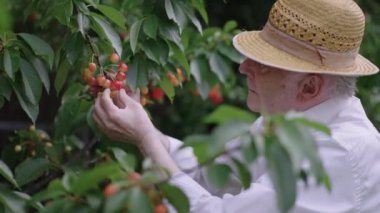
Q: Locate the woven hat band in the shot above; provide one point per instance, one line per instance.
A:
(305, 51)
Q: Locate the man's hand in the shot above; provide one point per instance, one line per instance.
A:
(125, 120)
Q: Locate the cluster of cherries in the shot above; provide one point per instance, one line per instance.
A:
(134, 178)
(113, 77)
(33, 142)
(106, 77)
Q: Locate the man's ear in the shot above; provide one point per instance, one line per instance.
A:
(310, 87)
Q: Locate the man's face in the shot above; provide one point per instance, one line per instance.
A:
(270, 89)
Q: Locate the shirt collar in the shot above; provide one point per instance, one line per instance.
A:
(326, 111)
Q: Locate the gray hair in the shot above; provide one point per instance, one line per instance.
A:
(342, 85)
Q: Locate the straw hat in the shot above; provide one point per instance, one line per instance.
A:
(313, 36)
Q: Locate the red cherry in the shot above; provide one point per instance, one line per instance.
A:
(33, 17)
(180, 74)
(86, 74)
(92, 67)
(133, 176)
(114, 58)
(110, 190)
(120, 76)
(215, 96)
(116, 85)
(160, 208)
(107, 83)
(173, 80)
(123, 67)
(157, 94)
(91, 81)
(100, 79)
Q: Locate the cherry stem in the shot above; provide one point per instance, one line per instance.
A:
(94, 53)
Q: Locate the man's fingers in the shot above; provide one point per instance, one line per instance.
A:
(98, 114)
(128, 101)
(106, 101)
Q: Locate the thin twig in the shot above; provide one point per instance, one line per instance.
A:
(91, 44)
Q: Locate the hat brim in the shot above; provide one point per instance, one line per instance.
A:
(251, 45)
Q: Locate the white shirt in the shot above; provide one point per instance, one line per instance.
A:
(351, 157)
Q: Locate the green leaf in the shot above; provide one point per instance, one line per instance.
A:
(114, 15)
(170, 32)
(219, 66)
(7, 173)
(200, 145)
(180, 56)
(7, 62)
(66, 113)
(27, 198)
(137, 74)
(62, 73)
(54, 190)
(229, 26)
(12, 201)
(126, 161)
(138, 201)
(152, 50)
(218, 174)
(230, 53)
(5, 88)
(192, 17)
(39, 47)
(110, 33)
(134, 34)
(281, 174)
(228, 131)
(326, 182)
(31, 169)
(116, 202)
(226, 113)
(90, 179)
(170, 11)
(58, 205)
(83, 23)
(315, 125)
(42, 72)
(200, 6)
(168, 88)
(197, 67)
(301, 145)
(30, 109)
(92, 124)
(179, 13)
(164, 51)
(150, 26)
(244, 174)
(63, 11)
(176, 197)
(74, 46)
(248, 148)
(32, 83)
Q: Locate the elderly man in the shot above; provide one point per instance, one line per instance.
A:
(305, 59)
